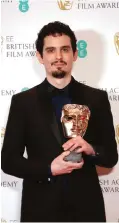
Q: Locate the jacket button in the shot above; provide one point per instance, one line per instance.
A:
(39, 182)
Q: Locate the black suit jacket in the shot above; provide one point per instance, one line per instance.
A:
(32, 124)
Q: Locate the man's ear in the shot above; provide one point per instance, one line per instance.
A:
(75, 55)
(39, 57)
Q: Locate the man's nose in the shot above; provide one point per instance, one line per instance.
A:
(58, 54)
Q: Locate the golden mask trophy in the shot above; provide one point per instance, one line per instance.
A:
(116, 41)
(74, 121)
(65, 4)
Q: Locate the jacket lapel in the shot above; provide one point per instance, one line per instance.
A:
(46, 110)
(76, 93)
(79, 94)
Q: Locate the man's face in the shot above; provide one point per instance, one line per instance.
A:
(58, 56)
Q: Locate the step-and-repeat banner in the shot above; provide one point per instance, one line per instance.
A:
(96, 25)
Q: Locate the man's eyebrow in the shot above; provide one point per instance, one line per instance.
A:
(66, 46)
(52, 47)
(49, 47)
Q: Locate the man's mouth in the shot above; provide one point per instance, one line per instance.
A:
(59, 63)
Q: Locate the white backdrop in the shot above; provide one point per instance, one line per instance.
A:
(95, 24)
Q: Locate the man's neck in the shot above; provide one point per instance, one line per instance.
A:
(59, 83)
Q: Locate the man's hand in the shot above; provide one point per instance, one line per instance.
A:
(59, 166)
(76, 142)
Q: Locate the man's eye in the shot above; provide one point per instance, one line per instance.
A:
(65, 49)
(50, 50)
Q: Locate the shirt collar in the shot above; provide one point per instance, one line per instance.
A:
(56, 91)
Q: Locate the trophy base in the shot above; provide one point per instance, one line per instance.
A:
(74, 157)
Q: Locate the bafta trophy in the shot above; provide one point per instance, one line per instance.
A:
(65, 4)
(74, 121)
(116, 41)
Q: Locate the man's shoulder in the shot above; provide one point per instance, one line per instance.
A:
(89, 90)
(26, 98)
(27, 94)
(91, 94)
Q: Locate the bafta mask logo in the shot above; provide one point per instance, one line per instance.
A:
(2, 135)
(2, 42)
(3, 220)
(117, 133)
(65, 4)
(2, 132)
(116, 41)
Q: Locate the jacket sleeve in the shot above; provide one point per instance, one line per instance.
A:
(106, 150)
(12, 160)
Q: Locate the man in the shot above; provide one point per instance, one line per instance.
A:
(55, 189)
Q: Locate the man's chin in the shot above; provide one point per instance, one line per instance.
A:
(59, 75)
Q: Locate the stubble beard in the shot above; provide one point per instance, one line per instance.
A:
(59, 74)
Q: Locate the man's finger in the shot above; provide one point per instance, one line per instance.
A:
(66, 153)
(77, 165)
(68, 145)
(74, 146)
(79, 150)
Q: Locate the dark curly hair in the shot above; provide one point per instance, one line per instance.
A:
(54, 28)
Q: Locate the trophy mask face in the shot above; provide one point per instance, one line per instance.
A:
(74, 120)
